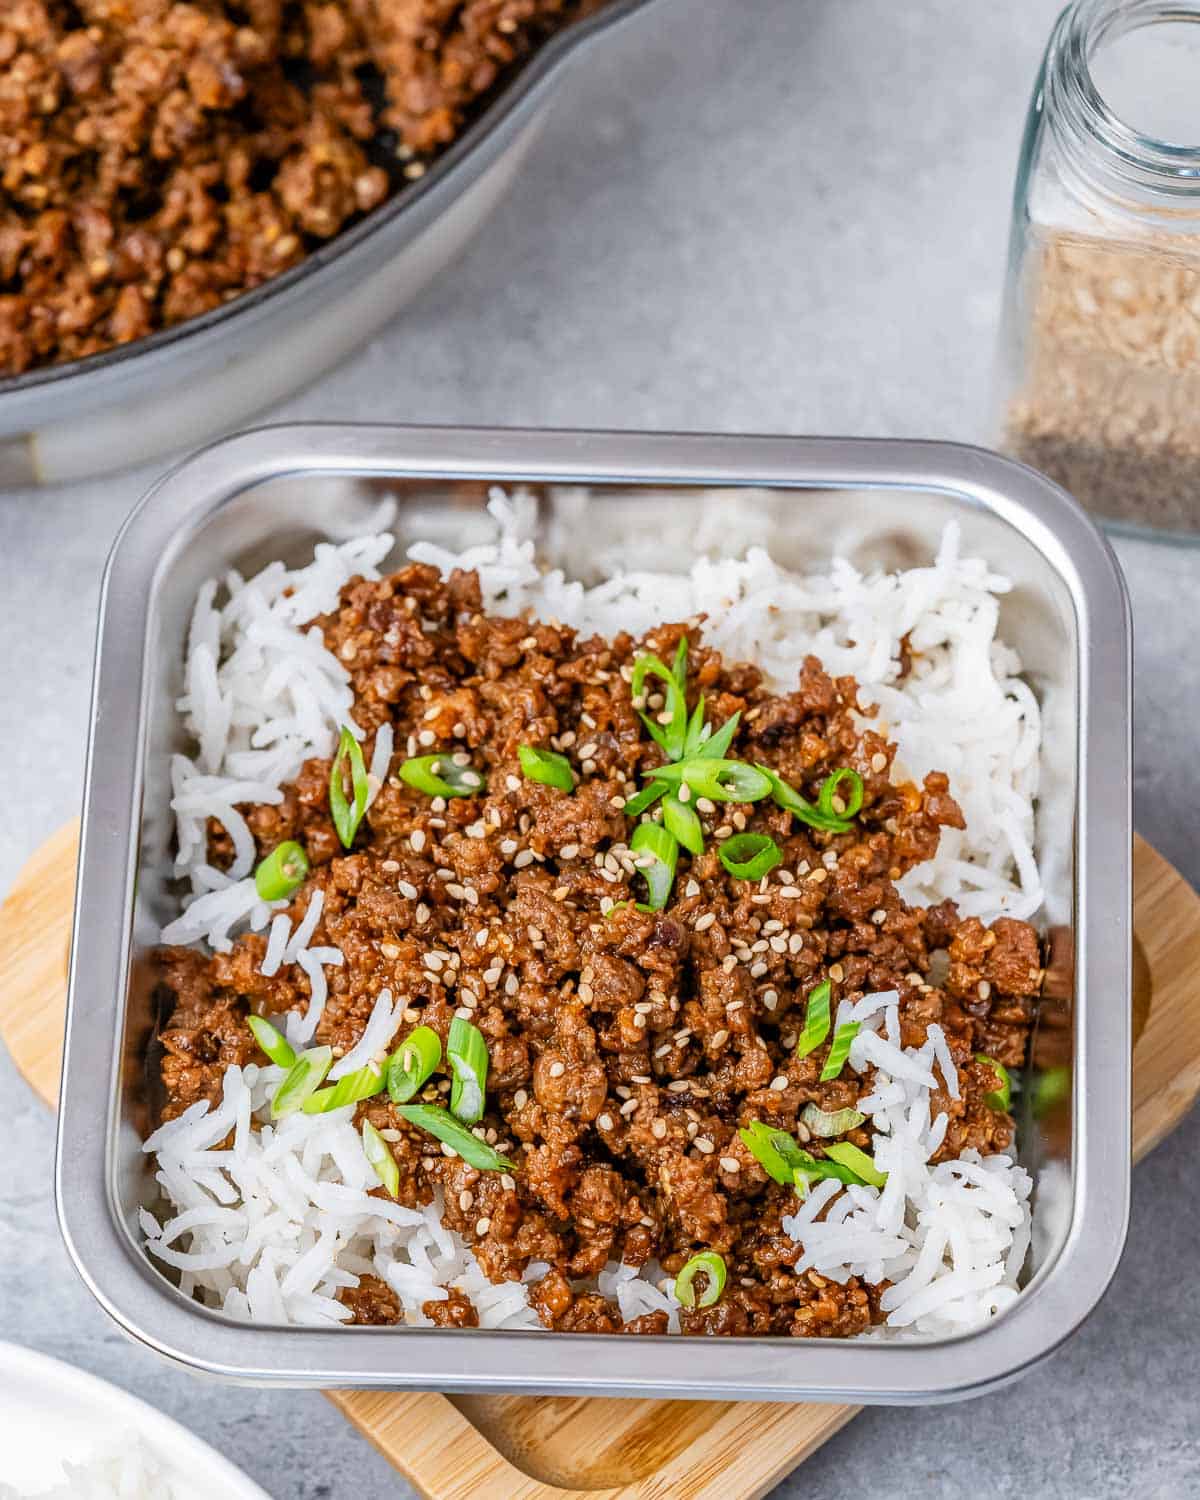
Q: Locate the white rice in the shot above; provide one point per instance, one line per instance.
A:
(123, 1469)
(271, 1228)
(952, 1238)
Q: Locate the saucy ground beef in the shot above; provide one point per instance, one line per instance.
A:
(158, 159)
(625, 1049)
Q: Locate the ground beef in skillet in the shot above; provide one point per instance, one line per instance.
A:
(625, 1050)
(158, 158)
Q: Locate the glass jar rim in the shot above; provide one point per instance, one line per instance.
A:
(1083, 119)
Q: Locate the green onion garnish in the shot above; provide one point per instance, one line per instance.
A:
(851, 805)
(1050, 1088)
(682, 821)
(673, 735)
(620, 905)
(812, 1169)
(840, 1050)
(824, 1123)
(694, 737)
(379, 1154)
(790, 799)
(546, 766)
(346, 815)
(717, 744)
(467, 1056)
(655, 840)
(647, 797)
(441, 776)
(441, 1123)
(774, 1150)
(718, 780)
(712, 1267)
(816, 1020)
(412, 1063)
(856, 1161)
(679, 665)
(305, 1078)
(750, 856)
(365, 1083)
(1001, 1098)
(282, 871)
(272, 1041)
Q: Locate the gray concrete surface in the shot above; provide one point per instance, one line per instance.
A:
(771, 215)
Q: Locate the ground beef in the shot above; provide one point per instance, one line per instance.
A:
(159, 158)
(626, 1046)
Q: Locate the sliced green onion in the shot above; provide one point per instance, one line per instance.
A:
(694, 737)
(824, 1123)
(750, 856)
(272, 1041)
(620, 906)
(719, 780)
(774, 1150)
(647, 797)
(717, 744)
(467, 1056)
(654, 839)
(816, 1020)
(840, 1050)
(679, 665)
(441, 776)
(347, 815)
(682, 821)
(379, 1155)
(306, 1077)
(282, 871)
(1001, 1098)
(851, 805)
(1050, 1088)
(412, 1063)
(441, 1123)
(856, 1161)
(546, 766)
(672, 735)
(709, 1264)
(364, 1083)
(790, 799)
(815, 1169)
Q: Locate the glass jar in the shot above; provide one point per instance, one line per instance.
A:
(1100, 350)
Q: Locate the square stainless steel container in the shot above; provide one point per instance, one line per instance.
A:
(272, 494)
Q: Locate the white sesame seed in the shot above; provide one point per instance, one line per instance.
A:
(640, 1022)
(719, 1038)
(520, 1099)
(421, 914)
(730, 1164)
(427, 737)
(790, 892)
(557, 1069)
(407, 888)
(605, 1122)
(779, 1083)
(465, 1200)
(524, 858)
(983, 989)
(417, 840)
(389, 950)
(705, 805)
(758, 970)
(879, 916)
(629, 1106)
(482, 1226)
(680, 1086)
(878, 762)
(685, 792)
(507, 1182)
(702, 1143)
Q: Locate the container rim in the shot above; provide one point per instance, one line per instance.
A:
(529, 81)
(1055, 1304)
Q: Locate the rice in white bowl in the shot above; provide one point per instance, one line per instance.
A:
(272, 1225)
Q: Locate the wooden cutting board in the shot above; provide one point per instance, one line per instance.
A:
(565, 1448)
